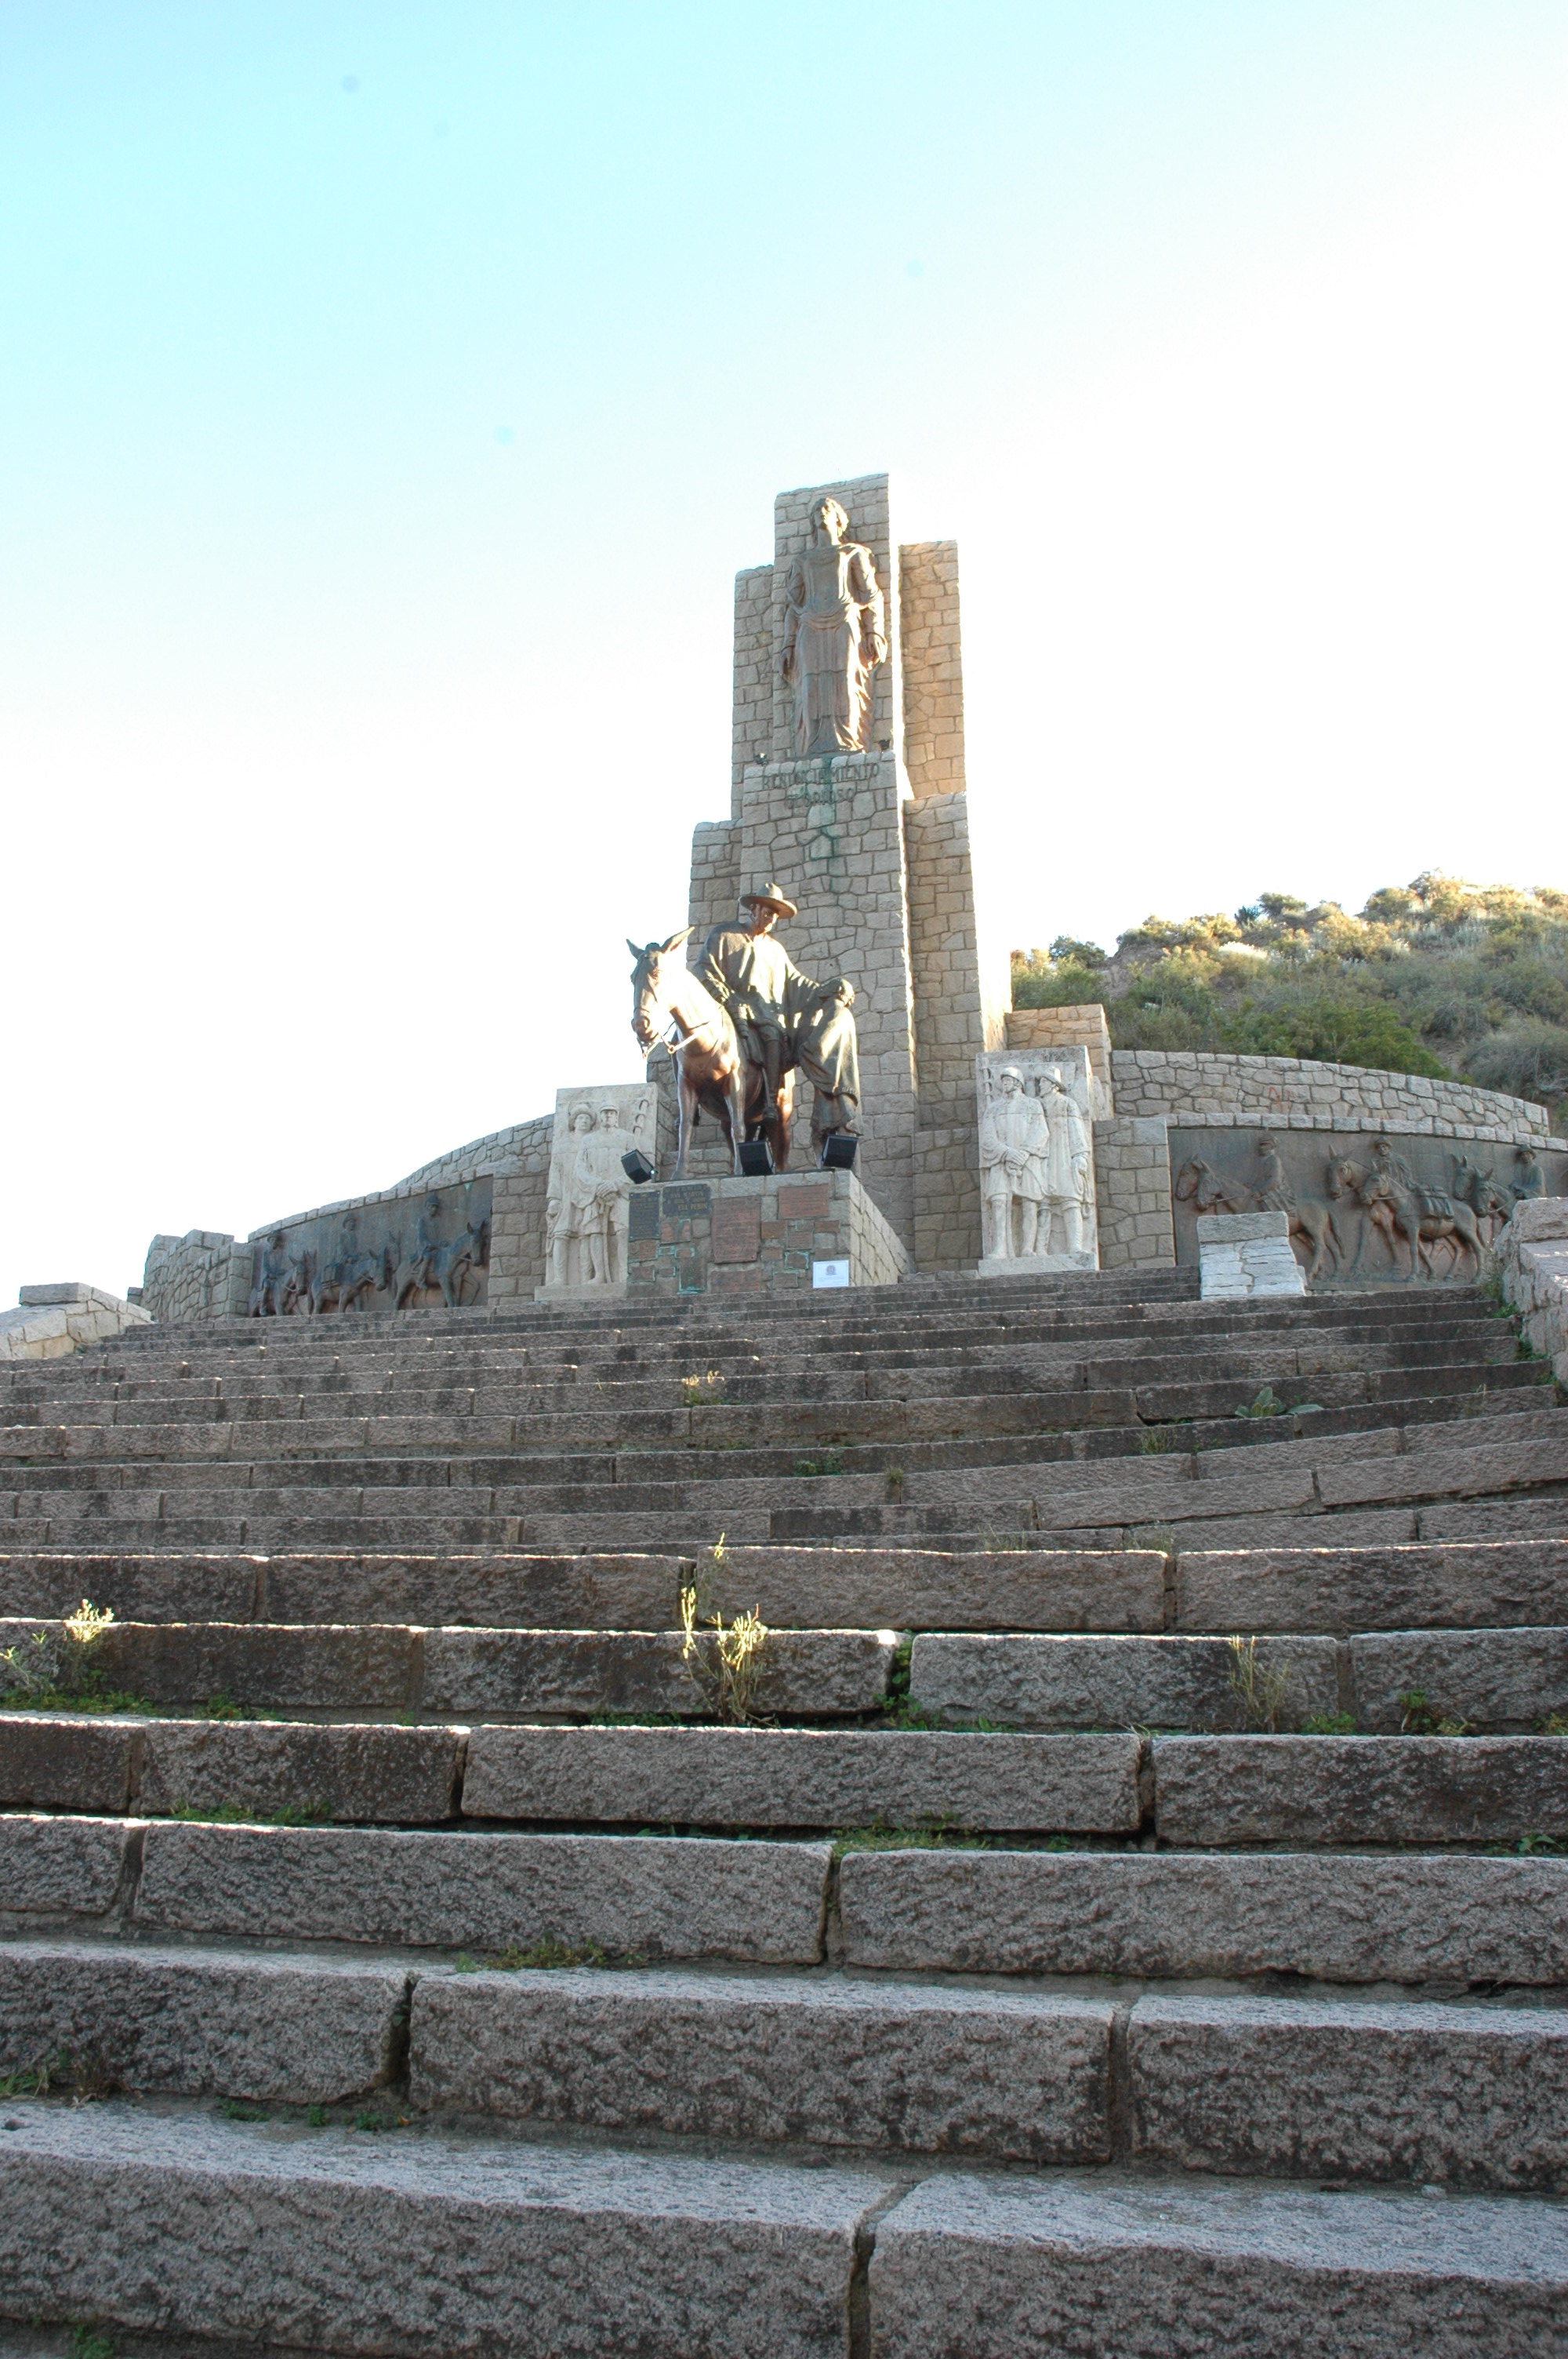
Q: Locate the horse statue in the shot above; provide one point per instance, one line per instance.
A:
(712, 1074)
(1208, 1191)
(1415, 1214)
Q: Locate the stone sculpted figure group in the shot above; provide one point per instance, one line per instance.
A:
(1036, 1171)
(584, 1215)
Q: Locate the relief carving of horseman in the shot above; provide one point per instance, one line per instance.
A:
(1208, 1191)
(1402, 1211)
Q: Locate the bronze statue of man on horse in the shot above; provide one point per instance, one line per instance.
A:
(740, 1022)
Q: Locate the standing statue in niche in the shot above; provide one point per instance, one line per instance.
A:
(602, 1155)
(577, 1219)
(1069, 1169)
(1015, 1170)
(834, 635)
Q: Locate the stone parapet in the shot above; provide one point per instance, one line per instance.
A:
(51, 1320)
(1532, 1260)
(205, 1273)
(1207, 1086)
(757, 1237)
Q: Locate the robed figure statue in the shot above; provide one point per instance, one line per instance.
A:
(834, 635)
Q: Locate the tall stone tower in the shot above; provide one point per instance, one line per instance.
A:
(873, 844)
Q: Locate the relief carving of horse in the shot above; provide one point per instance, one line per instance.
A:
(1416, 1215)
(1208, 1190)
(712, 1075)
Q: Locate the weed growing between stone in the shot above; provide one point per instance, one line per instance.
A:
(547, 1954)
(221, 1706)
(893, 1478)
(831, 1464)
(723, 1663)
(1422, 1718)
(86, 2343)
(698, 1391)
(1554, 1725)
(1329, 1723)
(1260, 1687)
(238, 1814)
(937, 1836)
(49, 1671)
(1539, 1846)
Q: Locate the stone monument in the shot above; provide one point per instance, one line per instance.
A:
(589, 1191)
(1037, 1166)
(848, 801)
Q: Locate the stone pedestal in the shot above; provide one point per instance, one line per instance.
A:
(701, 1237)
(1245, 1253)
(1036, 1265)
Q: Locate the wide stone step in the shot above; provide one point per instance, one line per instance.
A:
(801, 1778)
(425, 2242)
(1335, 1917)
(790, 1587)
(1504, 1682)
(991, 2268)
(384, 1666)
(1464, 1585)
(1313, 2088)
(295, 2029)
(716, 1777)
(916, 1437)
(1072, 1682)
(660, 1896)
(255, 1769)
(1361, 1790)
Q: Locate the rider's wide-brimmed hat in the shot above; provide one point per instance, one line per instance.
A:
(771, 896)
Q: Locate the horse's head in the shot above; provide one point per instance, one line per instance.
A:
(649, 1014)
(1187, 1180)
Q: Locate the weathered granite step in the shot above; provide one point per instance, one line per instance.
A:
(353, 1773)
(1311, 1790)
(837, 2063)
(295, 2029)
(421, 2243)
(1452, 1921)
(1472, 2096)
(1465, 1585)
(389, 1668)
(990, 2267)
(1505, 1682)
(663, 1897)
(681, 1443)
(722, 1777)
(800, 1778)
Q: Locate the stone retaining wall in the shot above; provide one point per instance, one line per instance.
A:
(1133, 1187)
(1207, 1086)
(51, 1320)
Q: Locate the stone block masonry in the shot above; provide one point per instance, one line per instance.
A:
(51, 1320)
(757, 1237)
(1194, 1086)
(1133, 1183)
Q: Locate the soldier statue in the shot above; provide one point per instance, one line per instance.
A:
(784, 1020)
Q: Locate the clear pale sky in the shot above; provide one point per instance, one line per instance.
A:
(389, 392)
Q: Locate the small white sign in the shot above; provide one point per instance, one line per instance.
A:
(830, 1273)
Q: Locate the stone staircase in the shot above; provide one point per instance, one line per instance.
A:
(1081, 1950)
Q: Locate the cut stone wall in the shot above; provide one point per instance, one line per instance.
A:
(953, 1014)
(1531, 1256)
(205, 1274)
(1293, 1093)
(948, 1197)
(752, 727)
(51, 1320)
(832, 834)
(518, 1216)
(1069, 1028)
(933, 666)
(715, 879)
(756, 1236)
(1132, 1185)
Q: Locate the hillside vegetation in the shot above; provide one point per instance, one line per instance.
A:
(1441, 978)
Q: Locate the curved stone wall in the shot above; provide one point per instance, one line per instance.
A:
(1294, 1093)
